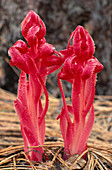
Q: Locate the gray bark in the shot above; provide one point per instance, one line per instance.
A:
(61, 18)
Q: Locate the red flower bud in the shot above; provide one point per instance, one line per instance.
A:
(83, 45)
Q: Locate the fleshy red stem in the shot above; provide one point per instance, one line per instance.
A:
(64, 101)
(47, 100)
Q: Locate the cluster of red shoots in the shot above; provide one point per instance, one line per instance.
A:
(36, 59)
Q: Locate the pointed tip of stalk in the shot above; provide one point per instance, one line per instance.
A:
(33, 20)
(83, 44)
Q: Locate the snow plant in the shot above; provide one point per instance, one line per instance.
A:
(36, 59)
(80, 69)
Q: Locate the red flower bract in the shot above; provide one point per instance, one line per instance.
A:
(37, 59)
(80, 69)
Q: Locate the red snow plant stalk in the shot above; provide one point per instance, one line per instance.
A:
(80, 69)
(36, 59)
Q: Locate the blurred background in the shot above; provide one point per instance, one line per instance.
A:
(61, 17)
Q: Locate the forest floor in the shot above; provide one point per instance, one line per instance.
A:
(99, 150)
